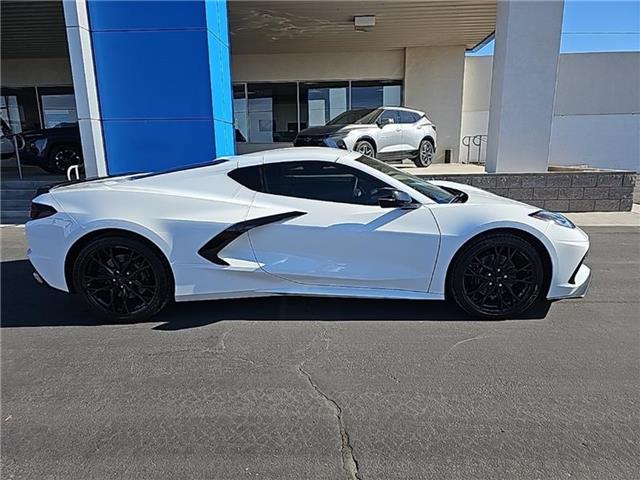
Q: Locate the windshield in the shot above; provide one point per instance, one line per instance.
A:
(435, 193)
(359, 117)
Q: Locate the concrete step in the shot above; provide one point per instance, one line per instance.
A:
(14, 216)
(13, 220)
(26, 184)
(15, 199)
(15, 194)
(16, 204)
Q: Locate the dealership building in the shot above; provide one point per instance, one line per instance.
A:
(159, 84)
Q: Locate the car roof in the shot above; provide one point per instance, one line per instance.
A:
(296, 154)
(405, 109)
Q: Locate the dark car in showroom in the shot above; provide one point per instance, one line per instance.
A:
(52, 149)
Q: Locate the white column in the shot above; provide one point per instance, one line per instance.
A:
(84, 86)
(523, 86)
(433, 80)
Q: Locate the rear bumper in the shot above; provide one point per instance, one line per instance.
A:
(48, 239)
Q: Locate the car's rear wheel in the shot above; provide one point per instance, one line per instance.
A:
(62, 157)
(122, 278)
(497, 276)
(426, 150)
(365, 147)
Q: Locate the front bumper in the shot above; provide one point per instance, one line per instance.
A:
(331, 142)
(578, 289)
(570, 276)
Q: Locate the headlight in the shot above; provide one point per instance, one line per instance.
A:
(554, 217)
(335, 141)
(34, 143)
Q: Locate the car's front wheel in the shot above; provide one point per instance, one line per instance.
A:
(122, 278)
(497, 276)
(365, 147)
(426, 150)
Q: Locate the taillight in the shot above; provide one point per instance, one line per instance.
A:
(40, 210)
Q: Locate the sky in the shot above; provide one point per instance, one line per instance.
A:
(596, 26)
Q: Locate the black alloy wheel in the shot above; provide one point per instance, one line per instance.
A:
(122, 279)
(62, 157)
(499, 276)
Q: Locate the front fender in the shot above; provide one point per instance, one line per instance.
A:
(457, 230)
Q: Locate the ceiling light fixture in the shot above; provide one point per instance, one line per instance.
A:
(364, 23)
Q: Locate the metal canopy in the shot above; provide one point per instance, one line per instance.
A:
(33, 30)
(288, 26)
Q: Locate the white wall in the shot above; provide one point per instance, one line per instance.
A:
(475, 106)
(36, 72)
(433, 82)
(432, 77)
(596, 115)
(388, 65)
(598, 84)
(597, 111)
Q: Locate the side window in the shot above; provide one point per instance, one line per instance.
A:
(325, 181)
(389, 116)
(248, 177)
(408, 117)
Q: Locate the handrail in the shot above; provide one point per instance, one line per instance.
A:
(16, 150)
(471, 141)
(75, 170)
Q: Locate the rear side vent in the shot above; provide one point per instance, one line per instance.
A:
(40, 210)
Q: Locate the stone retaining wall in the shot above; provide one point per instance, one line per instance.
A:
(586, 191)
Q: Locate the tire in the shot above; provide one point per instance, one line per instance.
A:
(497, 276)
(426, 151)
(122, 279)
(365, 147)
(62, 157)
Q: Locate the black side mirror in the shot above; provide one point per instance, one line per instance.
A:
(397, 199)
(384, 121)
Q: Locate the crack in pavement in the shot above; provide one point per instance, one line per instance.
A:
(479, 337)
(220, 346)
(349, 463)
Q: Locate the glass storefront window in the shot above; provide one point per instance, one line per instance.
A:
(321, 102)
(273, 112)
(240, 113)
(19, 109)
(374, 94)
(58, 106)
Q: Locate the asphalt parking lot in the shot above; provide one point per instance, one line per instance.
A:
(324, 389)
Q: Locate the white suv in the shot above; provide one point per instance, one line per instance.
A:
(386, 133)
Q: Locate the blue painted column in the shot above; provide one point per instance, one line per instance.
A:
(163, 82)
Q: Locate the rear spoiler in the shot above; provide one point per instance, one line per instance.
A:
(53, 186)
(138, 175)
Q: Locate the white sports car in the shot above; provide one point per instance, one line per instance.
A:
(299, 221)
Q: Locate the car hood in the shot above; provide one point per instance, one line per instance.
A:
(327, 130)
(477, 196)
(55, 131)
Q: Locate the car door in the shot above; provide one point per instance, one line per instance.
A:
(412, 130)
(330, 229)
(390, 132)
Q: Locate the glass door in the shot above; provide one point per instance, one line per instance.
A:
(58, 107)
